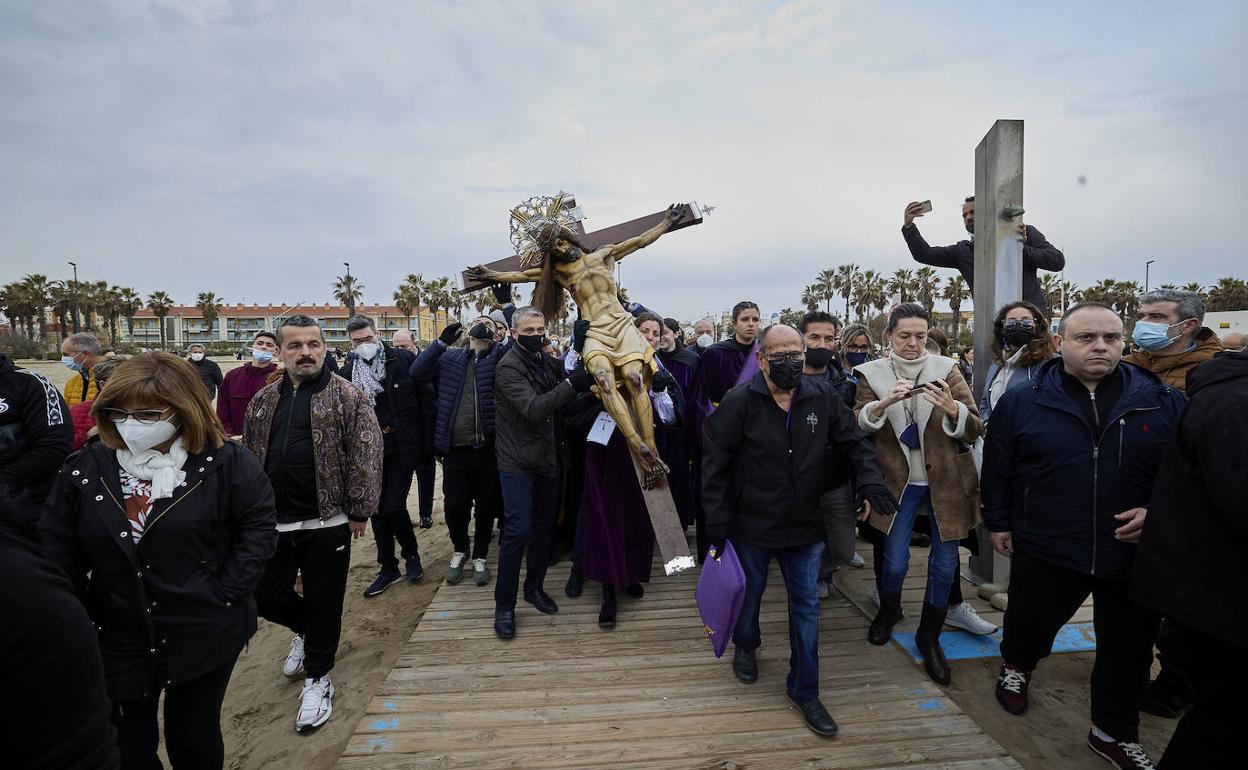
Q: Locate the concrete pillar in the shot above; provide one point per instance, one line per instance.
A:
(998, 273)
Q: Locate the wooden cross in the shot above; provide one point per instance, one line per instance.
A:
(597, 239)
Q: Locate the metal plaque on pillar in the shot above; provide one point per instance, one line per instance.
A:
(998, 273)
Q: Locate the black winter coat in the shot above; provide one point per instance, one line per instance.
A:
(1195, 539)
(36, 434)
(209, 373)
(764, 469)
(528, 395)
(1056, 486)
(178, 604)
(407, 409)
(446, 367)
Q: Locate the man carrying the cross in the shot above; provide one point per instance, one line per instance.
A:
(615, 353)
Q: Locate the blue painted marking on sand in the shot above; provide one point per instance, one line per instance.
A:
(959, 645)
(932, 704)
(919, 691)
(384, 724)
(442, 615)
(379, 744)
(390, 706)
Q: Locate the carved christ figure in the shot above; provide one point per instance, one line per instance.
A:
(615, 354)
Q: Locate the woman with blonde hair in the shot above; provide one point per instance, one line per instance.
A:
(164, 529)
(919, 410)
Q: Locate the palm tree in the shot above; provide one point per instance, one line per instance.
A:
(210, 306)
(39, 294)
(438, 297)
(62, 301)
(1228, 294)
(954, 293)
(160, 304)
(1103, 291)
(348, 290)
(826, 284)
(869, 292)
(13, 301)
(926, 286)
(1051, 285)
(846, 280)
(811, 296)
(110, 310)
(129, 302)
(902, 283)
(1070, 293)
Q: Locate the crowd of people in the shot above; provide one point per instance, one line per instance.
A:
(141, 562)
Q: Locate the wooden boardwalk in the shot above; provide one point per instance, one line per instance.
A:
(648, 694)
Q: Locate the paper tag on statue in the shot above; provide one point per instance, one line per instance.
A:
(603, 427)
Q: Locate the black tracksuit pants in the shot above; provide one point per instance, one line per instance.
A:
(192, 725)
(392, 521)
(1044, 596)
(470, 479)
(323, 556)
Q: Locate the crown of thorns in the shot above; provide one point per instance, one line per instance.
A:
(536, 225)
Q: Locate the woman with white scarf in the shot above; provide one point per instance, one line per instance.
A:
(164, 529)
(918, 409)
(1020, 343)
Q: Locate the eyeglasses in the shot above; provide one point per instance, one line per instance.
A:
(779, 358)
(858, 348)
(1013, 323)
(145, 416)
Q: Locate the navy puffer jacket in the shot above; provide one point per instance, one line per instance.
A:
(1056, 486)
(445, 368)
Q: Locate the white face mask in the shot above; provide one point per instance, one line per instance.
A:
(704, 340)
(197, 356)
(367, 351)
(140, 437)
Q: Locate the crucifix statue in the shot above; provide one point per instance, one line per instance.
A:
(553, 251)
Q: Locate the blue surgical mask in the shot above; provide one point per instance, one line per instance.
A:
(71, 363)
(1151, 335)
(856, 358)
(261, 356)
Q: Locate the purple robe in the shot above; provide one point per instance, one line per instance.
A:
(673, 443)
(619, 541)
(719, 370)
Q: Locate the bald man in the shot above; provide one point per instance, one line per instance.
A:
(403, 339)
(1235, 341)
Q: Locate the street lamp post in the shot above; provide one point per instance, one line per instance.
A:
(1146, 264)
(73, 316)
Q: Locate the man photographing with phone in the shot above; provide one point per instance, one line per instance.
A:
(1038, 253)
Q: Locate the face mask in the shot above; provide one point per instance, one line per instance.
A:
(197, 356)
(367, 351)
(1151, 335)
(261, 356)
(818, 358)
(1018, 337)
(482, 332)
(856, 358)
(140, 437)
(71, 363)
(704, 340)
(530, 342)
(785, 374)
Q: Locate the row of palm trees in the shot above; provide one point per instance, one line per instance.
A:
(866, 291)
(91, 306)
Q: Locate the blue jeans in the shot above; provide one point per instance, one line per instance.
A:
(529, 503)
(799, 567)
(942, 559)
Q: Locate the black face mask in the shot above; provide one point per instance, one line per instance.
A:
(1018, 337)
(530, 342)
(818, 358)
(482, 332)
(785, 374)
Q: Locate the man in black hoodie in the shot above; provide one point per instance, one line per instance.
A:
(1191, 556)
(763, 493)
(36, 434)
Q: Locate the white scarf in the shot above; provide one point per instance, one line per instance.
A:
(368, 376)
(163, 470)
(1001, 383)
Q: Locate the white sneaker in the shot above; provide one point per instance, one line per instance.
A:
(822, 585)
(965, 617)
(293, 667)
(857, 562)
(480, 572)
(316, 703)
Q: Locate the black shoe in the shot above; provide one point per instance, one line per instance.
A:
(386, 578)
(504, 623)
(426, 522)
(1166, 698)
(927, 640)
(542, 601)
(745, 665)
(576, 582)
(606, 615)
(881, 630)
(415, 572)
(816, 716)
(635, 590)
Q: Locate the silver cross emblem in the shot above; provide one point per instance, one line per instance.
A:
(812, 421)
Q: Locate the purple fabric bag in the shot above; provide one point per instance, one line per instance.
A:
(720, 593)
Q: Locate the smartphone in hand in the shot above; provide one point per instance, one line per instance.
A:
(925, 207)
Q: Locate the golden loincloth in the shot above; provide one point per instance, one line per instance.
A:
(617, 339)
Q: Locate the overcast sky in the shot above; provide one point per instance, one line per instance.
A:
(249, 148)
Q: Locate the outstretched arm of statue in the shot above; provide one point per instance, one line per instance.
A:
(624, 248)
(483, 273)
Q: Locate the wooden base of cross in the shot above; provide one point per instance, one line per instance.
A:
(665, 522)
